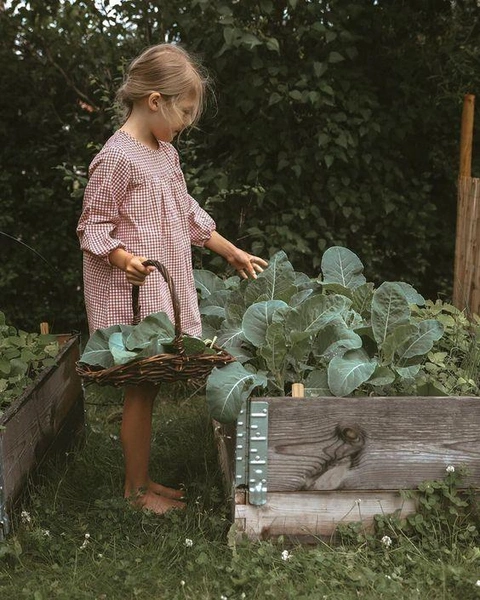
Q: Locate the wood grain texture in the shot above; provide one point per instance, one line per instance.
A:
(370, 443)
(32, 423)
(307, 516)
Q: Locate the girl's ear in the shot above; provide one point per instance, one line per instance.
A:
(154, 101)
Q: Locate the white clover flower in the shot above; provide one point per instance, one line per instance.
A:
(386, 541)
(244, 595)
(222, 597)
(477, 583)
(286, 555)
(25, 517)
(46, 533)
(188, 543)
(99, 555)
(182, 583)
(86, 541)
(450, 469)
(87, 536)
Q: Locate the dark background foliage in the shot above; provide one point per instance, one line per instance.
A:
(333, 123)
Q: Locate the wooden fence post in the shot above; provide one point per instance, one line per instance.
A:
(467, 261)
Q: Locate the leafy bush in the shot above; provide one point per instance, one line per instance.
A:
(338, 334)
(22, 356)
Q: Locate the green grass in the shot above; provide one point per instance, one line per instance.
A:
(129, 554)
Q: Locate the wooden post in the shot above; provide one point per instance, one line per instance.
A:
(466, 136)
(298, 390)
(466, 210)
(44, 328)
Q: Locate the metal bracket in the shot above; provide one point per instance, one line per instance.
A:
(241, 447)
(258, 452)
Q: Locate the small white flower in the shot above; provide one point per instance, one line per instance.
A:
(87, 536)
(386, 541)
(25, 516)
(47, 533)
(182, 583)
(286, 555)
(222, 597)
(477, 583)
(388, 576)
(86, 541)
(99, 555)
(113, 437)
(450, 469)
(244, 595)
(188, 543)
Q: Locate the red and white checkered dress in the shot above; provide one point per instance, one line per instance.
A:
(136, 199)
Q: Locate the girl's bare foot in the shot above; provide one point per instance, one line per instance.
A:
(154, 503)
(166, 492)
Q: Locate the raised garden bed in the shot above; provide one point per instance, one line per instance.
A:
(300, 467)
(48, 415)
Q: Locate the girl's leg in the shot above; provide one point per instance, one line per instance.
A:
(136, 438)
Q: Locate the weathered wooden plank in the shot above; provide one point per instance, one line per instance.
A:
(307, 516)
(31, 425)
(370, 443)
(225, 440)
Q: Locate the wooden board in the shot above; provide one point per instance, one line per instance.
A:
(370, 443)
(51, 409)
(308, 516)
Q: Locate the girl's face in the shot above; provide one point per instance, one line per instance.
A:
(172, 119)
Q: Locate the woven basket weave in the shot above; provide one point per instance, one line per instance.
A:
(163, 367)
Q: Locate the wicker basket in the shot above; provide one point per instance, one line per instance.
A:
(163, 367)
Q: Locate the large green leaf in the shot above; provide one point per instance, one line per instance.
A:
(335, 339)
(207, 282)
(97, 352)
(120, 354)
(274, 350)
(277, 282)
(346, 373)
(389, 310)
(382, 376)
(258, 317)
(411, 294)
(426, 334)
(396, 339)
(315, 312)
(340, 265)
(228, 388)
(155, 326)
(316, 383)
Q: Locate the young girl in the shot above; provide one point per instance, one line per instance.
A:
(136, 206)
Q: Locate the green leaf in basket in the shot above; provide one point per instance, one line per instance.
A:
(193, 345)
(155, 326)
(117, 347)
(97, 352)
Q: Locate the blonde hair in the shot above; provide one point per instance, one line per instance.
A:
(169, 70)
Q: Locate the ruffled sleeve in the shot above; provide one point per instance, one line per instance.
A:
(109, 177)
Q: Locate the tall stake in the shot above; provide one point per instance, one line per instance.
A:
(465, 218)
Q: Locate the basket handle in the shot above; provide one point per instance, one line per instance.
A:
(175, 303)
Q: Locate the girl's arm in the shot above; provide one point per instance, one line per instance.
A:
(246, 264)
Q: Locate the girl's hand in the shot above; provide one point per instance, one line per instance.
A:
(246, 264)
(135, 271)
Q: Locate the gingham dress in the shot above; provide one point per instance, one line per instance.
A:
(136, 199)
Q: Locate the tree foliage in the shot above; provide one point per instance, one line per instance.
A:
(334, 123)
